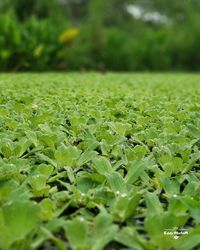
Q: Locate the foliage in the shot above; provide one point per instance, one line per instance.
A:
(99, 162)
(98, 35)
(33, 44)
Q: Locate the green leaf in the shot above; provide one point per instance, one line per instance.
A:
(6, 188)
(21, 147)
(38, 184)
(120, 128)
(76, 231)
(47, 208)
(101, 222)
(125, 205)
(102, 165)
(85, 157)
(44, 169)
(190, 241)
(156, 224)
(17, 220)
(194, 130)
(135, 169)
(32, 136)
(193, 206)
(67, 155)
(7, 148)
(128, 237)
(84, 184)
(45, 158)
(103, 227)
(170, 186)
(116, 182)
(153, 204)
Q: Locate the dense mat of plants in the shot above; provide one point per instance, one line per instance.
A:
(99, 161)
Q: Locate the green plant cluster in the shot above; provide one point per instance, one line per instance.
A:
(34, 45)
(92, 162)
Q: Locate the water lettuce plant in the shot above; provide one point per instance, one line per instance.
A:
(93, 162)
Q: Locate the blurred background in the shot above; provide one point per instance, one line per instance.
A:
(116, 35)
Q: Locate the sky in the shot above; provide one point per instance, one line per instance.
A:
(139, 13)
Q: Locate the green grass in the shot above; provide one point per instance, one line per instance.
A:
(91, 162)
